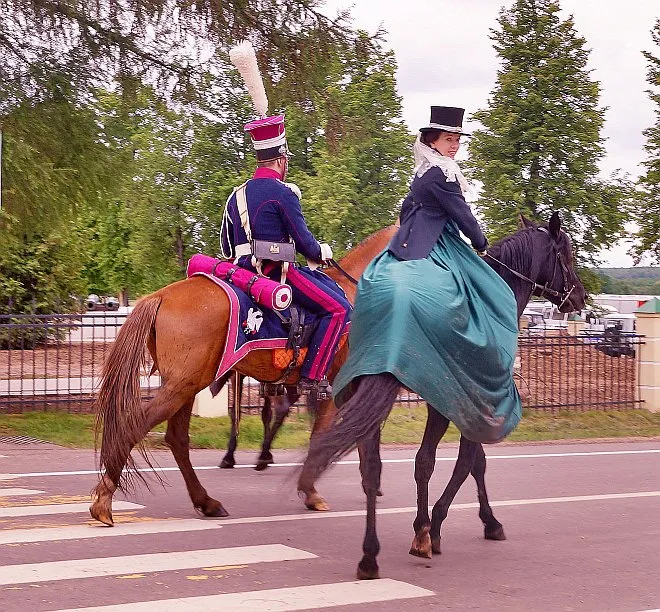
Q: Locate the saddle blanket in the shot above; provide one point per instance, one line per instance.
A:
(251, 326)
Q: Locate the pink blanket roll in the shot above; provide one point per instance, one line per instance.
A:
(261, 289)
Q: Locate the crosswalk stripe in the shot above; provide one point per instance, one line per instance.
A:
(280, 600)
(153, 562)
(16, 492)
(14, 511)
(81, 532)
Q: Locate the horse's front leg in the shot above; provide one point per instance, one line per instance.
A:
(178, 439)
(493, 529)
(370, 468)
(436, 426)
(464, 463)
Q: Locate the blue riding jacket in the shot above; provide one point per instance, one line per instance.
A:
(431, 202)
(275, 215)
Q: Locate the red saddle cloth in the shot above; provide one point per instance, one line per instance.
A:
(263, 290)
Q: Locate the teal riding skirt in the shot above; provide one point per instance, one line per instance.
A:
(446, 327)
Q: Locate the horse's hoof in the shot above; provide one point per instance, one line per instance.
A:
(216, 510)
(379, 493)
(101, 515)
(262, 464)
(367, 569)
(317, 503)
(421, 544)
(226, 464)
(495, 533)
(435, 545)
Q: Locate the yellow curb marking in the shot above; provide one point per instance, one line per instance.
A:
(131, 576)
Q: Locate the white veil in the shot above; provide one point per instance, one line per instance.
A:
(427, 157)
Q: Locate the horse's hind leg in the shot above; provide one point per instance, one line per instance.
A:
(370, 468)
(436, 426)
(466, 456)
(228, 461)
(493, 529)
(282, 405)
(120, 436)
(178, 439)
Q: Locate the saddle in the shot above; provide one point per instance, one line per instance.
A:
(262, 317)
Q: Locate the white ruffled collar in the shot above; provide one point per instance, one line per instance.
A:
(426, 158)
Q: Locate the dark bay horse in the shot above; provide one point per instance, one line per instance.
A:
(533, 260)
(184, 326)
(273, 412)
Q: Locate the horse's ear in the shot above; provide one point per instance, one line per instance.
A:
(555, 225)
(524, 222)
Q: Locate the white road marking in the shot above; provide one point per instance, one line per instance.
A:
(412, 509)
(9, 476)
(155, 562)
(14, 511)
(17, 492)
(281, 600)
(82, 532)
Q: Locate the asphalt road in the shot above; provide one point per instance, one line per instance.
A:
(582, 520)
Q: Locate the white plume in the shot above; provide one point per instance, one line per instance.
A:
(245, 60)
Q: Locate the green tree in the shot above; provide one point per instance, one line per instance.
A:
(647, 212)
(172, 43)
(541, 143)
(357, 168)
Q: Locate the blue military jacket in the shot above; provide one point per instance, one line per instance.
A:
(431, 202)
(275, 215)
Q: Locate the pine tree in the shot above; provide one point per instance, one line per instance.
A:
(541, 143)
(647, 212)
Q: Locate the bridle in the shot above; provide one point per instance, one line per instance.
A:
(546, 290)
(537, 289)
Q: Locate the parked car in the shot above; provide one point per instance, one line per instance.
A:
(94, 302)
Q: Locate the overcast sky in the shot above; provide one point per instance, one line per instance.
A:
(454, 64)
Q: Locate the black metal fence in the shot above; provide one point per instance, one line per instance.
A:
(53, 362)
(589, 371)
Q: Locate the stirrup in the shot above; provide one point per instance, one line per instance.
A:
(271, 389)
(319, 388)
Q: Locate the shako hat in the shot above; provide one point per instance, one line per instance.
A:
(447, 119)
(267, 133)
(268, 137)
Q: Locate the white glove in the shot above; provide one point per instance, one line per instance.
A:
(326, 252)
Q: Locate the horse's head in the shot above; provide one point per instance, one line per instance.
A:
(553, 265)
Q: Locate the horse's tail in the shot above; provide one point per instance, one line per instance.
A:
(360, 417)
(119, 413)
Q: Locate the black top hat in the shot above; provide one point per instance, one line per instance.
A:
(447, 119)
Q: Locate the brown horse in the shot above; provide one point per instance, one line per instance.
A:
(184, 326)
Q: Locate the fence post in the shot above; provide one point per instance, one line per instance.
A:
(648, 324)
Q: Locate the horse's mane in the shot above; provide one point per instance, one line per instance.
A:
(356, 251)
(515, 250)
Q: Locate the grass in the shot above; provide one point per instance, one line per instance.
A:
(405, 426)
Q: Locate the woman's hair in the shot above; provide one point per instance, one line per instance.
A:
(430, 136)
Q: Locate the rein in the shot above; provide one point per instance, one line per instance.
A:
(336, 266)
(545, 290)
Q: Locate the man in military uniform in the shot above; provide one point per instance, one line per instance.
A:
(266, 208)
